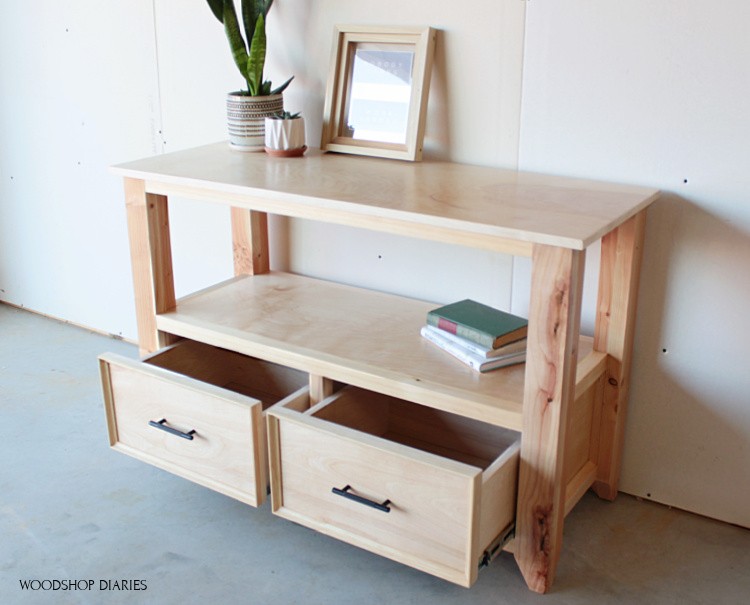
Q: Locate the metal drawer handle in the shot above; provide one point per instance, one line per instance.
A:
(384, 506)
(162, 425)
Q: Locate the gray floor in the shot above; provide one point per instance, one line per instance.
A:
(72, 509)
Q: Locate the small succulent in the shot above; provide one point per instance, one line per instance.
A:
(285, 115)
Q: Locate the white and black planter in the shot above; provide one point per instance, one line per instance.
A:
(246, 117)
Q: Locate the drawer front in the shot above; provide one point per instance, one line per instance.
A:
(433, 503)
(223, 446)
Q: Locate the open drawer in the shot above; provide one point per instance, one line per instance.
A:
(421, 486)
(198, 412)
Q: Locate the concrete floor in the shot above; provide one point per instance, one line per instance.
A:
(72, 509)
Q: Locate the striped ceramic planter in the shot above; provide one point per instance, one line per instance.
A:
(246, 119)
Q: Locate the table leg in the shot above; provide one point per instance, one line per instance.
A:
(151, 260)
(554, 321)
(320, 388)
(622, 250)
(250, 242)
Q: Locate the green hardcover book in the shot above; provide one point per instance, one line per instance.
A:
(479, 323)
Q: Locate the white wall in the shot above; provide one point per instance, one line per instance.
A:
(641, 92)
(78, 82)
(492, 35)
(655, 93)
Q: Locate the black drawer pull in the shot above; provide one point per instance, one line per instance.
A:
(162, 425)
(347, 494)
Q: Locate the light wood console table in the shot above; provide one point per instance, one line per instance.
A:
(568, 402)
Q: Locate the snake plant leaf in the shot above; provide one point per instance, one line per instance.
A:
(236, 43)
(217, 8)
(281, 88)
(257, 58)
(250, 11)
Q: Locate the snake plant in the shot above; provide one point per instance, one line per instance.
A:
(250, 56)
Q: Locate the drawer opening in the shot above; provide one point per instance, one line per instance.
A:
(268, 382)
(434, 431)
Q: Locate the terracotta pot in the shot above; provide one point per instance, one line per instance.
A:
(246, 119)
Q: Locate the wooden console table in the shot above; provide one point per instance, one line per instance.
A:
(568, 402)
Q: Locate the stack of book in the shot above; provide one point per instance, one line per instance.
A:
(482, 337)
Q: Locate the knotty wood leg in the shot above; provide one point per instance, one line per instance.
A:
(554, 320)
(250, 242)
(622, 251)
(151, 260)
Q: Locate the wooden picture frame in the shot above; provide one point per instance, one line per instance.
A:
(377, 91)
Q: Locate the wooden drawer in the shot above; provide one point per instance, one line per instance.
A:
(421, 486)
(198, 412)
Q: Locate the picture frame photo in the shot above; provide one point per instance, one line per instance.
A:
(378, 86)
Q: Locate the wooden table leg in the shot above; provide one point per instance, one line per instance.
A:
(622, 250)
(250, 242)
(251, 257)
(320, 388)
(554, 320)
(151, 260)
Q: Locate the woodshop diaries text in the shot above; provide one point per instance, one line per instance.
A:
(56, 585)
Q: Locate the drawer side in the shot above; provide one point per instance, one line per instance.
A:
(499, 489)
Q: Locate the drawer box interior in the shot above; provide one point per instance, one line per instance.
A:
(429, 430)
(449, 482)
(268, 382)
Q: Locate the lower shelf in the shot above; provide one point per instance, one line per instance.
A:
(352, 335)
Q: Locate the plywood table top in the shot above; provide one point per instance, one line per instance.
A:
(438, 200)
